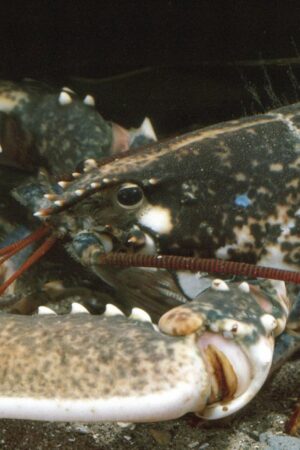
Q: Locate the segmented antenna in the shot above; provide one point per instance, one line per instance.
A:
(10, 250)
(195, 264)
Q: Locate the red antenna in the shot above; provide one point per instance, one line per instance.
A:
(16, 247)
(194, 264)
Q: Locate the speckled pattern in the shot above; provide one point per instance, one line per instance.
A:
(231, 190)
(63, 134)
(77, 357)
(232, 309)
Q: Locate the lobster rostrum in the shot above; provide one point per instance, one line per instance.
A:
(229, 191)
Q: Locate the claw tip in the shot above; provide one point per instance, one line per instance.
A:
(77, 308)
(45, 310)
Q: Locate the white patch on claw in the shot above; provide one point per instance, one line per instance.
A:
(45, 310)
(112, 310)
(140, 314)
(157, 219)
(89, 100)
(244, 287)
(64, 98)
(77, 308)
(269, 323)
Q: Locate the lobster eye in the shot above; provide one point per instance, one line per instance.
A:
(130, 195)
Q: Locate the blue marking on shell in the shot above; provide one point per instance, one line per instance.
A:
(242, 200)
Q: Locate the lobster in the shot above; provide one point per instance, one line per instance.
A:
(229, 191)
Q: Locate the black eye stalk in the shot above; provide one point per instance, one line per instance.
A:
(130, 195)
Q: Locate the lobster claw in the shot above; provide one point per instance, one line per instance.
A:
(98, 368)
(114, 368)
(235, 333)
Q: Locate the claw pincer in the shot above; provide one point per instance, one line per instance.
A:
(235, 328)
(210, 357)
(91, 368)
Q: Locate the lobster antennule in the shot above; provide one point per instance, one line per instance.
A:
(14, 248)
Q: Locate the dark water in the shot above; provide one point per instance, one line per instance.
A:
(178, 55)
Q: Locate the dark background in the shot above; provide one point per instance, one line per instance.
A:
(190, 62)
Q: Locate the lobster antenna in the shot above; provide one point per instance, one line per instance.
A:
(46, 245)
(22, 243)
(195, 264)
(50, 241)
